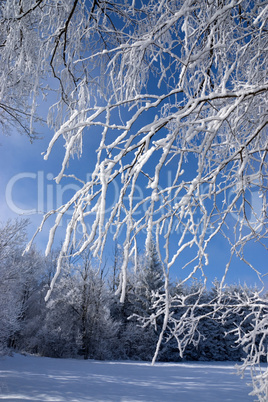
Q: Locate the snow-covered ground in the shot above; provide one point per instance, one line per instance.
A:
(29, 378)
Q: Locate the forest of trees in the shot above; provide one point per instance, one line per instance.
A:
(84, 318)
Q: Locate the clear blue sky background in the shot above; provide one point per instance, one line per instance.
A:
(28, 190)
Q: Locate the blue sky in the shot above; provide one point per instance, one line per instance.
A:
(28, 190)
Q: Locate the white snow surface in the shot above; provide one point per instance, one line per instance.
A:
(31, 378)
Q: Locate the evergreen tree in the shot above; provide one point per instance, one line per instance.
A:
(148, 281)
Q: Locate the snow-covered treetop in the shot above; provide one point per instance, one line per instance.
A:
(178, 83)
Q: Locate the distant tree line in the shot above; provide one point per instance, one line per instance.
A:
(84, 317)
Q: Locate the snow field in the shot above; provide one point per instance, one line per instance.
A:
(31, 378)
